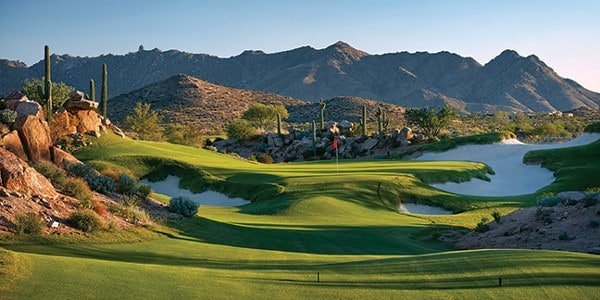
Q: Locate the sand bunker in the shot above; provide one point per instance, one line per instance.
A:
(170, 187)
(512, 177)
(420, 209)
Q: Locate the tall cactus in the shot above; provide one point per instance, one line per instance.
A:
(92, 90)
(47, 83)
(314, 137)
(322, 105)
(364, 120)
(104, 92)
(47, 75)
(382, 121)
(279, 124)
(49, 101)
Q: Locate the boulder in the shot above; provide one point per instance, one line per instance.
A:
(346, 124)
(35, 137)
(369, 144)
(18, 177)
(71, 105)
(28, 108)
(12, 143)
(63, 158)
(14, 99)
(62, 125)
(278, 142)
(571, 196)
(405, 134)
(4, 129)
(88, 121)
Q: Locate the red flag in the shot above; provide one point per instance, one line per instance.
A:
(335, 144)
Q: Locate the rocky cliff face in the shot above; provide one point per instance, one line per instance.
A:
(508, 82)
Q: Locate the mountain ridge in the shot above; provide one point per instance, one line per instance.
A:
(507, 82)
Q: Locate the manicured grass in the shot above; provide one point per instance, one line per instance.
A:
(306, 219)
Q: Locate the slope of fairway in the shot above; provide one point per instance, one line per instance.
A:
(308, 220)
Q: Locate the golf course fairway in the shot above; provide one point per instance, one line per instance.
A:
(309, 233)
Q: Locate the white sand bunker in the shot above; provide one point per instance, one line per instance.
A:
(420, 209)
(170, 187)
(512, 177)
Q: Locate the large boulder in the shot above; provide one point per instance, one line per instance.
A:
(17, 176)
(571, 196)
(35, 137)
(77, 102)
(12, 143)
(28, 108)
(369, 144)
(62, 125)
(14, 99)
(405, 134)
(88, 121)
(63, 158)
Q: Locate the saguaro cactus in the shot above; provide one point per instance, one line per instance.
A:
(47, 83)
(278, 124)
(382, 121)
(322, 105)
(49, 101)
(92, 90)
(47, 76)
(364, 120)
(314, 137)
(104, 92)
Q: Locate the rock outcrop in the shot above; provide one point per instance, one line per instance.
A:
(35, 137)
(18, 177)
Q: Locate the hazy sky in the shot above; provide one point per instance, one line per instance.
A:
(564, 34)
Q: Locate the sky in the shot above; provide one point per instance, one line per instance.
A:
(564, 34)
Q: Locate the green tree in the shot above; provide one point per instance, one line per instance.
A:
(144, 122)
(431, 121)
(241, 130)
(264, 117)
(184, 135)
(60, 91)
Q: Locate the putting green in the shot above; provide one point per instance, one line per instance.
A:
(340, 225)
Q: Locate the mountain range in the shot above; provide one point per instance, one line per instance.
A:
(508, 82)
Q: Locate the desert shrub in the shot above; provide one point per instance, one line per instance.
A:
(7, 116)
(564, 237)
(60, 91)
(56, 175)
(101, 183)
(264, 116)
(496, 215)
(189, 135)
(264, 158)
(132, 200)
(85, 220)
(81, 170)
(144, 190)
(241, 130)
(183, 206)
(111, 173)
(548, 200)
(132, 214)
(29, 223)
(252, 157)
(78, 188)
(127, 185)
(483, 225)
(594, 224)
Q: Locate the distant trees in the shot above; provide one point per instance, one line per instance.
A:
(184, 135)
(264, 117)
(34, 88)
(144, 122)
(431, 121)
(241, 130)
